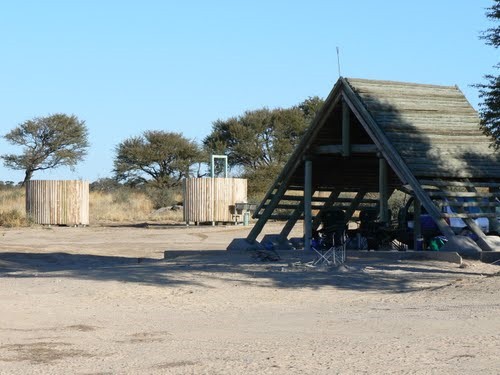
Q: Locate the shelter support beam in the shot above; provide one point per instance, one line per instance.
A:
(481, 241)
(494, 223)
(394, 159)
(417, 225)
(346, 130)
(280, 185)
(339, 149)
(292, 221)
(354, 204)
(328, 203)
(307, 205)
(383, 191)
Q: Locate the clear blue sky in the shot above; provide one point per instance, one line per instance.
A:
(129, 66)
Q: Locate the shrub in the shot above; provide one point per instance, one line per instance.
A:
(163, 197)
(12, 218)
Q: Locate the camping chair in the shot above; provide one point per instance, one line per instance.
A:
(330, 242)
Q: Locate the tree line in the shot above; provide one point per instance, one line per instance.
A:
(257, 144)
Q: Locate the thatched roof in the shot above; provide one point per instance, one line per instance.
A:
(428, 135)
(434, 128)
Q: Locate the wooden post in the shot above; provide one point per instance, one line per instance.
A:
(481, 241)
(307, 205)
(383, 196)
(329, 203)
(354, 204)
(292, 221)
(346, 127)
(494, 222)
(417, 227)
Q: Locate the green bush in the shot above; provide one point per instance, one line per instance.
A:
(260, 180)
(163, 197)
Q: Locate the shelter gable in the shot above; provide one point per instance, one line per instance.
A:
(371, 138)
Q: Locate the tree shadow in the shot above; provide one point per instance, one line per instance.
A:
(85, 267)
(291, 272)
(145, 224)
(447, 141)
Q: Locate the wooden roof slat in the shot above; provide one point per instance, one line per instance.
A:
(473, 204)
(471, 216)
(460, 183)
(461, 194)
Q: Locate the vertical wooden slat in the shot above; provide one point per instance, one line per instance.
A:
(58, 202)
(210, 199)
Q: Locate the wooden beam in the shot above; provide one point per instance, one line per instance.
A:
(307, 205)
(266, 215)
(459, 183)
(417, 226)
(346, 130)
(473, 204)
(481, 241)
(354, 204)
(393, 158)
(329, 203)
(327, 199)
(294, 217)
(466, 215)
(294, 206)
(495, 222)
(282, 217)
(460, 194)
(338, 149)
(383, 191)
(280, 185)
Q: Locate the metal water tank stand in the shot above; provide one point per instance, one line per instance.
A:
(212, 164)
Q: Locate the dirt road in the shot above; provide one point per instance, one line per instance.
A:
(103, 300)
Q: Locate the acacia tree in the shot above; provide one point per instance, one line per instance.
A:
(162, 157)
(490, 91)
(261, 141)
(48, 142)
(262, 137)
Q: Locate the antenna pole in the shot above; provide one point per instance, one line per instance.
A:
(338, 60)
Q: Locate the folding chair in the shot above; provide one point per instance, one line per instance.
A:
(330, 244)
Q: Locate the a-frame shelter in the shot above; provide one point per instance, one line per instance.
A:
(378, 136)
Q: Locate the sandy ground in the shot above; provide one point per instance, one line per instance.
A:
(102, 300)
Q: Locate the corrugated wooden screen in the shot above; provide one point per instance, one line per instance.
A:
(58, 202)
(212, 199)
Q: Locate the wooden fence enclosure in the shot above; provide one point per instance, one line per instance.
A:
(213, 199)
(58, 202)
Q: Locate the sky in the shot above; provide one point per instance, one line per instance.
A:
(129, 66)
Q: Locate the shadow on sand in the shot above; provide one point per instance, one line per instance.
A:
(357, 274)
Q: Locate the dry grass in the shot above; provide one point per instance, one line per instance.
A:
(12, 208)
(118, 206)
(127, 206)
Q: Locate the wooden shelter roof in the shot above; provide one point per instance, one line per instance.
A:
(434, 128)
(428, 135)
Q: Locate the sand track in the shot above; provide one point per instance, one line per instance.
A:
(102, 300)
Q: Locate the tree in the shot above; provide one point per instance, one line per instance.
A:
(261, 139)
(490, 91)
(49, 142)
(160, 156)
